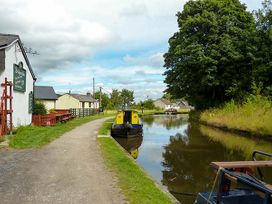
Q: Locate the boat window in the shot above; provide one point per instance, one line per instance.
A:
(127, 117)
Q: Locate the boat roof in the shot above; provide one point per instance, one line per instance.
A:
(128, 111)
(241, 164)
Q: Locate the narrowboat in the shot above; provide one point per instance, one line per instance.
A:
(127, 124)
(238, 184)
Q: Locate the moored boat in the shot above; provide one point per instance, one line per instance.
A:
(237, 183)
(127, 124)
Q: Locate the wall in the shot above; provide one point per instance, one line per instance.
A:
(21, 115)
(159, 104)
(49, 104)
(66, 101)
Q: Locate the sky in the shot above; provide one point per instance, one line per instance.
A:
(119, 42)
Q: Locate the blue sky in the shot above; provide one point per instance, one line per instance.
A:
(120, 43)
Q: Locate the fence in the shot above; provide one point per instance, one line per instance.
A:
(44, 120)
(82, 112)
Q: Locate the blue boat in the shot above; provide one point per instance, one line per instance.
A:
(238, 184)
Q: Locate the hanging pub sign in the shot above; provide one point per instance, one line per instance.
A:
(19, 77)
(30, 102)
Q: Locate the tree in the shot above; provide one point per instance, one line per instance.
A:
(116, 99)
(104, 97)
(210, 58)
(263, 63)
(127, 97)
(148, 104)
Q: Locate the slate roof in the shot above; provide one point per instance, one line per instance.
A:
(45, 93)
(165, 101)
(83, 98)
(7, 40)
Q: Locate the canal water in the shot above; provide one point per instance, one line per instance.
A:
(177, 153)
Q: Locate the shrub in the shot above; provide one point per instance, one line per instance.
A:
(39, 109)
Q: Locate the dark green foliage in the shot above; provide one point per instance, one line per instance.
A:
(127, 97)
(263, 63)
(210, 58)
(39, 108)
(104, 98)
(121, 99)
(148, 104)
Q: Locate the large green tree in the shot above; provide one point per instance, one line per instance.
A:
(127, 97)
(263, 63)
(210, 58)
(116, 100)
(121, 99)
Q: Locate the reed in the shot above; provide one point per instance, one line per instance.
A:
(254, 116)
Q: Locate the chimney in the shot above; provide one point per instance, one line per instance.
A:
(88, 94)
(69, 91)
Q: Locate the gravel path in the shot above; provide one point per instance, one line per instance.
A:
(69, 170)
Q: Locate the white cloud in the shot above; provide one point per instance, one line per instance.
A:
(68, 33)
(154, 60)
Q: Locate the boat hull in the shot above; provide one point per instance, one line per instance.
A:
(233, 197)
(127, 130)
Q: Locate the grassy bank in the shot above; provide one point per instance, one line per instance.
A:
(104, 129)
(34, 136)
(253, 116)
(133, 181)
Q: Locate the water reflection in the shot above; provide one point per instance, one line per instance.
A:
(167, 121)
(177, 153)
(186, 164)
(131, 145)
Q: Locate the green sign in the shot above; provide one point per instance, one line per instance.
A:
(30, 102)
(19, 77)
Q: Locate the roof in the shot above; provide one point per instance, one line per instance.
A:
(45, 92)
(7, 40)
(165, 101)
(83, 98)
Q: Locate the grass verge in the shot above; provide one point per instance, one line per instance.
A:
(34, 136)
(253, 116)
(133, 181)
(104, 129)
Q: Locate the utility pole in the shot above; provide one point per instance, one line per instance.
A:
(100, 97)
(93, 88)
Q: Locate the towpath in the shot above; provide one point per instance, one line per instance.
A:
(68, 170)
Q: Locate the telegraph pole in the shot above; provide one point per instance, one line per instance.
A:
(93, 88)
(100, 97)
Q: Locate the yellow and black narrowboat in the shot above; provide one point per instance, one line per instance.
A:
(127, 124)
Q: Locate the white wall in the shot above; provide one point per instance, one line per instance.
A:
(66, 102)
(21, 115)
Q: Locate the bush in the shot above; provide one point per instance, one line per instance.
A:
(39, 109)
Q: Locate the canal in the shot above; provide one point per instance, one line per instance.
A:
(177, 153)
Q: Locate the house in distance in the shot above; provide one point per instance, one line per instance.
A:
(71, 100)
(16, 68)
(46, 95)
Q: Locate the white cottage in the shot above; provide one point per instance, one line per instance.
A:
(70, 100)
(15, 66)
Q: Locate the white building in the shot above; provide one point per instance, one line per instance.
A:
(70, 100)
(162, 103)
(15, 66)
